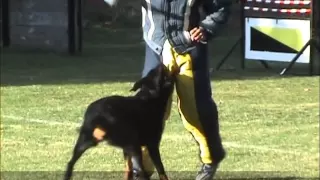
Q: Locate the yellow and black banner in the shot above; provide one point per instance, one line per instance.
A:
(276, 30)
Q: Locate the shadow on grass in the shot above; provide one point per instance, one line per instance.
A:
(178, 175)
(270, 178)
(111, 55)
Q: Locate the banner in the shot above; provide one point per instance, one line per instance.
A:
(276, 40)
(276, 30)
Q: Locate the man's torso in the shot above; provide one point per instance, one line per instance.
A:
(169, 20)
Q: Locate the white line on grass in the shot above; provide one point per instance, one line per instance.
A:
(236, 145)
(40, 121)
(172, 137)
(263, 148)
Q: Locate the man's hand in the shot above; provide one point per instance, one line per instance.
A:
(196, 34)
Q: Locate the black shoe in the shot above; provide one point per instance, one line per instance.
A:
(207, 172)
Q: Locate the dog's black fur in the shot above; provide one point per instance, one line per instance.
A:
(129, 122)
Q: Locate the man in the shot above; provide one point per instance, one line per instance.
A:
(176, 33)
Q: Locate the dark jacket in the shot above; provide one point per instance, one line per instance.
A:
(172, 19)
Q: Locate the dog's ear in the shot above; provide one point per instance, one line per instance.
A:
(147, 80)
(137, 85)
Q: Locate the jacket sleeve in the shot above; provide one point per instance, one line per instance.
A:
(217, 13)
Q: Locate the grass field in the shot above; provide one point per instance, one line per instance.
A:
(269, 124)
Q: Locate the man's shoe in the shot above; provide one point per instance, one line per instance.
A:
(207, 172)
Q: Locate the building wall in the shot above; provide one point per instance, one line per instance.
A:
(39, 24)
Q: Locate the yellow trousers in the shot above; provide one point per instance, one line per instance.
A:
(196, 107)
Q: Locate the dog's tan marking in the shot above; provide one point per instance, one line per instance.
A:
(128, 170)
(99, 133)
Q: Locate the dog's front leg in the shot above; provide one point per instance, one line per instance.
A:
(156, 158)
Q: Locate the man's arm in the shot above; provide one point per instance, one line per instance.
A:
(217, 14)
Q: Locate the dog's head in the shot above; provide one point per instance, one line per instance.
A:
(157, 82)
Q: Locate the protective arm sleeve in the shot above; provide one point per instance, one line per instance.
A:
(217, 14)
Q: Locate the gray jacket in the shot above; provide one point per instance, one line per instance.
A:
(172, 19)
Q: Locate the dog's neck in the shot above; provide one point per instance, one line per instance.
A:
(146, 95)
(143, 94)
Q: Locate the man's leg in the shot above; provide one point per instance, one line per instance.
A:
(198, 110)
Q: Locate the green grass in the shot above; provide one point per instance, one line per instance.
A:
(269, 124)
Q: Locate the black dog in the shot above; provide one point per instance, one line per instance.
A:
(129, 123)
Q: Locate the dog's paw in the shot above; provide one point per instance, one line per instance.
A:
(163, 177)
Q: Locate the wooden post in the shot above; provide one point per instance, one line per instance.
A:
(5, 22)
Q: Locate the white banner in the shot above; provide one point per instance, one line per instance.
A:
(276, 40)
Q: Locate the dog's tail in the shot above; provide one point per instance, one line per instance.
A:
(97, 121)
